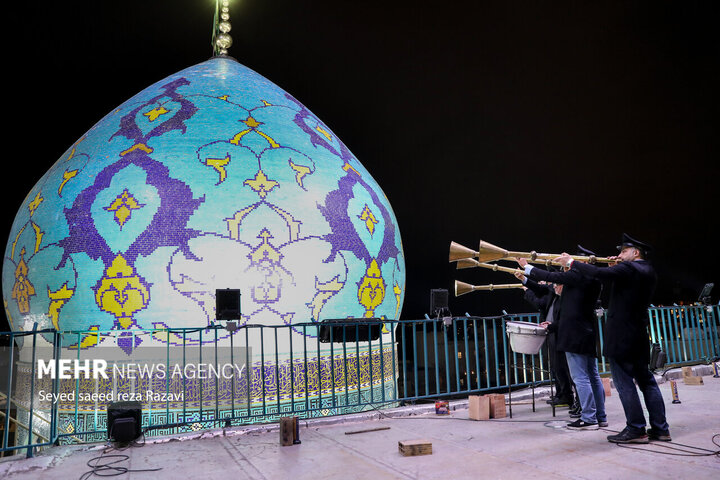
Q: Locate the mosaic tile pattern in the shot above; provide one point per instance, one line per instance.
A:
(211, 178)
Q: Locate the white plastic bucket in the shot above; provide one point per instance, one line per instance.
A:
(525, 337)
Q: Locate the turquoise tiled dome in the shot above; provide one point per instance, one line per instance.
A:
(211, 178)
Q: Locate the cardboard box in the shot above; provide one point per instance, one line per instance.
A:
(289, 433)
(479, 407)
(497, 405)
(689, 377)
(412, 448)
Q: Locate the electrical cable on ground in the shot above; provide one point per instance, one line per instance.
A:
(109, 466)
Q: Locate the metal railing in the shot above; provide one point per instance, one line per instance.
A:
(283, 370)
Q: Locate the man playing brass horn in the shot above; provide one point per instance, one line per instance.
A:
(626, 338)
(546, 298)
(576, 336)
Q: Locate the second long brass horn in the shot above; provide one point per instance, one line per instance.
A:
(471, 262)
(461, 288)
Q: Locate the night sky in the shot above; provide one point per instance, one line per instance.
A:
(530, 125)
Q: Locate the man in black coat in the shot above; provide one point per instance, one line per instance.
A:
(627, 342)
(546, 298)
(576, 336)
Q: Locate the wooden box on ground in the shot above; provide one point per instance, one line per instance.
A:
(411, 448)
(289, 432)
(689, 377)
(606, 385)
(479, 407)
(497, 405)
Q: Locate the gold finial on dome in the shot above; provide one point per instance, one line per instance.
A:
(221, 40)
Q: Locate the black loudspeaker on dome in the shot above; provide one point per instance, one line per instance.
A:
(349, 330)
(438, 301)
(227, 304)
(124, 421)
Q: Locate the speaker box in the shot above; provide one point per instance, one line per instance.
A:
(349, 330)
(124, 421)
(438, 301)
(227, 304)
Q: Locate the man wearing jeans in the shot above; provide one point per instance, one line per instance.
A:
(576, 330)
(627, 342)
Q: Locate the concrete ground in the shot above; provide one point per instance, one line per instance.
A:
(530, 445)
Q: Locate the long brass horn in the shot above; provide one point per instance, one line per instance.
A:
(458, 252)
(488, 252)
(470, 262)
(461, 288)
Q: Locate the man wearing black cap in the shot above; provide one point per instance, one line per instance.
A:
(576, 336)
(626, 338)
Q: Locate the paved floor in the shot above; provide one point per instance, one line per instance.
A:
(528, 446)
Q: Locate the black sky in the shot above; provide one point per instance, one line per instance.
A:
(531, 125)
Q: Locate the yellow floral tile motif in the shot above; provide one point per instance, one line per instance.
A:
(323, 292)
(300, 172)
(123, 205)
(58, 298)
(138, 146)
(265, 260)
(67, 176)
(219, 165)
(122, 292)
(369, 219)
(253, 125)
(398, 292)
(324, 132)
(348, 168)
(88, 340)
(32, 206)
(265, 251)
(22, 289)
(14, 244)
(371, 292)
(38, 235)
(260, 184)
(233, 223)
(155, 113)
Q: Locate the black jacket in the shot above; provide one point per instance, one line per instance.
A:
(576, 323)
(541, 297)
(633, 283)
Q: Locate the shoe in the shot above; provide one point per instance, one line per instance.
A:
(659, 436)
(626, 437)
(582, 425)
(560, 402)
(603, 424)
(577, 414)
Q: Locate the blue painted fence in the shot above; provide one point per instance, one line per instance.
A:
(417, 360)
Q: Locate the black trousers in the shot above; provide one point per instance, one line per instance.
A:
(560, 371)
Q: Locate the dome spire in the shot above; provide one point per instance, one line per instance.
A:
(221, 39)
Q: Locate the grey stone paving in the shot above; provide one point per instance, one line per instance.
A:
(528, 446)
